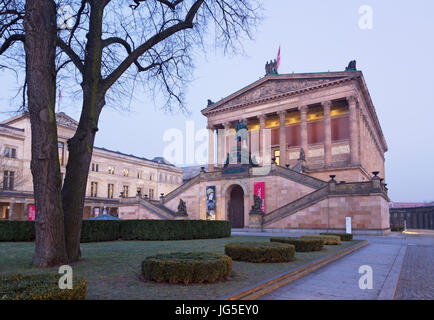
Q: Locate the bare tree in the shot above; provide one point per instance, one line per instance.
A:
(110, 46)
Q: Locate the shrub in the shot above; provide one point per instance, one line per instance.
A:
(187, 267)
(343, 236)
(174, 229)
(397, 228)
(301, 245)
(260, 251)
(328, 240)
(100, 230)
(40, 287)
(17, 230)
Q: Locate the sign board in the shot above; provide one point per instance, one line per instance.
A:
(259, 190)
(31, 212)
(210, 202)
(348, 224)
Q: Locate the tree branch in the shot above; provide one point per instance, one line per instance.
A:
(10, 41)
(155, 39)
(71, 54)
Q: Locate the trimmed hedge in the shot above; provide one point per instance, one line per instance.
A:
(110, 230)
(343, 236)
(187, 267)
(301, 245)
(17, 231)
(397, 228)
(40, 287)
(174, 229)
(328, 240)
(260, 251)
(100, 230)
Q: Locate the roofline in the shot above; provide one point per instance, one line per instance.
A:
(276, 77)
(171, 166)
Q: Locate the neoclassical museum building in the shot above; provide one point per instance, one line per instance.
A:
(319, 159)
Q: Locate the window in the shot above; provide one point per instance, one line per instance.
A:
(8, 180)
(139, 174)
(125, 189)
(139, 191)
(95, 167)
(93, 189)
(61, 147)
(126, 172)
(110, 190)
(151, 176)
(277, 156)
(111, 170)
(151, 194)
(10, 152)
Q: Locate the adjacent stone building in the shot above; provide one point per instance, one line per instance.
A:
(313, 152)
(112, 174)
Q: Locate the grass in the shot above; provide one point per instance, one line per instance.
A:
(112, 269)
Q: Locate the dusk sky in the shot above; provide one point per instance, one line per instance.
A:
(396, 57)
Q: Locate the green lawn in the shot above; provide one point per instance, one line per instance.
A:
(113, 270)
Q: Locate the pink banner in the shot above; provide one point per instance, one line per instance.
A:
(31, 212)
(259, 189)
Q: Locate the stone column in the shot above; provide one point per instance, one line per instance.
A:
(327, 134)
(262, 119)
(210, 148)
(354, 134)
(303, 131)
(11, 210)
(228, 136)
(282, 138)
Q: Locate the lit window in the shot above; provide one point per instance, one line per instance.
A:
(93, 189)
(125, 189)
(277, 156)
(111, 170)
(61, 147)
(110, 189)
(126, 172)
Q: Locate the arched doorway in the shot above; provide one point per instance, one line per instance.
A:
(236, 207)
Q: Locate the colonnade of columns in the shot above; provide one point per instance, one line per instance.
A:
(304, 142)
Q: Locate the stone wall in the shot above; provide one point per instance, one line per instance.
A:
(367, 213)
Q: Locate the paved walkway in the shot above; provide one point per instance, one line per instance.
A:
(385, 255)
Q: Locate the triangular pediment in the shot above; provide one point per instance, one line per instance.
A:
(273, 86)
(65, 120)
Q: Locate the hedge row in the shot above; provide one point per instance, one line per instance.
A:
(174, 229)
(40, 287)
(260, 251)
(110, 230)
(187, 267)
(327, 240)
(301, 245)
(343, 236)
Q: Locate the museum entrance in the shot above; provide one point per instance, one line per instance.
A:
(236, 207)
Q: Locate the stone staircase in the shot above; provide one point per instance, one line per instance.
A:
(293, 175)
(151, 205)
(330, 189)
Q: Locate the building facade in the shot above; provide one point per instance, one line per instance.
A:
(112, 175)
(323, 160)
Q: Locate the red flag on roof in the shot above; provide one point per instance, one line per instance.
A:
(278, 60)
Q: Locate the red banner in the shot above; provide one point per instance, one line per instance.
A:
(259, 189)
(31, 214)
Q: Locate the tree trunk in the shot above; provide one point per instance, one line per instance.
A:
(40, 48)
(80, 146)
